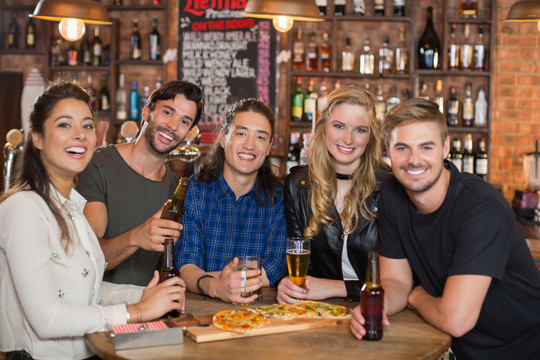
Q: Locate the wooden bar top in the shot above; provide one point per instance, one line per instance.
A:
(407, 337)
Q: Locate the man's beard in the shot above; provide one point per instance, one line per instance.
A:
(150, 135)
(426, 187)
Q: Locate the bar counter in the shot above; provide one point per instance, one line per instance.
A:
(407, 337)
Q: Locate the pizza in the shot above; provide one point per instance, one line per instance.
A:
(321, 310)
(239, 320)
(244, 320)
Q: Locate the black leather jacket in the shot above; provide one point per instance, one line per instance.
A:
(327, 246)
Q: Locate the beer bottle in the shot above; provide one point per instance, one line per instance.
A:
(372, 300)
(174, 208)
(169, 270)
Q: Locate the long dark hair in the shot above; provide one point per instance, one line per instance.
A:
(170, 89)
(31, 172)
(213, 164)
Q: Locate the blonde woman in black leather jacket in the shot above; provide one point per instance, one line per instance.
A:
(333, 200)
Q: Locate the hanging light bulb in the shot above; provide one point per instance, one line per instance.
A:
(71, 29)
(283, 23)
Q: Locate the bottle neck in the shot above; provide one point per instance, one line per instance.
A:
(372, 274)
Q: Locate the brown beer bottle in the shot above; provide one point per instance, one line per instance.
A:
(174, 208)
(168, 270)
(373, 300)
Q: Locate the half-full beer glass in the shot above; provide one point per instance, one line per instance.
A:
(298, 250)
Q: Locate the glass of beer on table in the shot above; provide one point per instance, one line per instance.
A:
(298, 250)
(246, 263)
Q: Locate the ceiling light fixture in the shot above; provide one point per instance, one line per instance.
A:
(283, 13)
(525, 11)
(72, 15)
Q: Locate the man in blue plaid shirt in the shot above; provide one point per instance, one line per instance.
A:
(234, 207)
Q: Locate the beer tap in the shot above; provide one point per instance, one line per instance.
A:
(188, 152)
(12, 148)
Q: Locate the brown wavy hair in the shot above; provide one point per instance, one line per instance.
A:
(323, 174)
(31, 172)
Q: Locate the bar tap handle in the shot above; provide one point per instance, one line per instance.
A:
(13, 146)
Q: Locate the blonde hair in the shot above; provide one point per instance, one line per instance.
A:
(322, 172)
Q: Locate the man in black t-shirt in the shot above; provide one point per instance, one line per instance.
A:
(477, 280)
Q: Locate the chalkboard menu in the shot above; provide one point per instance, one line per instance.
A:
(230, 56)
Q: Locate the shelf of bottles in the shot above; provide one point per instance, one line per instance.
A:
(20, 34)
(357, 44)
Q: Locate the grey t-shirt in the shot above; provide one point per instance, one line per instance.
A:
(130, 199)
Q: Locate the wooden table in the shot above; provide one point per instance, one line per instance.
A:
(408, 337)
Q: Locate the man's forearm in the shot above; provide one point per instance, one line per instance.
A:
(117, 249)
(395, 296)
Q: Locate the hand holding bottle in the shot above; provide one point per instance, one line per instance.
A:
(151, 234)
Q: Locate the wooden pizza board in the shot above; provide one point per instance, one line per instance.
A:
(275, 326)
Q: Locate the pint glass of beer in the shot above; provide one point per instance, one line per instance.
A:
(298, 250)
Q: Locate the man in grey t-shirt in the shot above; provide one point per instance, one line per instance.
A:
(126, 185)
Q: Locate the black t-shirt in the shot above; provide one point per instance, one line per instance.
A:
(473, 232)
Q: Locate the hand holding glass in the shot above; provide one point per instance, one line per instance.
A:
(246, 263)
(298, 250)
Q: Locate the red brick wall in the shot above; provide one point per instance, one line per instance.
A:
(516, 100)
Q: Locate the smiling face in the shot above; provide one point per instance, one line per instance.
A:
(347, 135)
(246, 144)
(68, 140)
(169, 123)
(417, 154)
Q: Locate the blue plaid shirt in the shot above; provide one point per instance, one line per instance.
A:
(217, 227)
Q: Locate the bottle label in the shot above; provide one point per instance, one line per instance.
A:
(481, 166)
(30, 39)
(97, 50)
(399, 2)
(11, 39)
(468, 164)
(468, 111)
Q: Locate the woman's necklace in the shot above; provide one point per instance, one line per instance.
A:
(343, 176)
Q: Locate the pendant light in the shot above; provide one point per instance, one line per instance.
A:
(283, 12)
(525, 11)
(72, 15)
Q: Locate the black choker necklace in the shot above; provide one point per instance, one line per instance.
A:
(344, 176)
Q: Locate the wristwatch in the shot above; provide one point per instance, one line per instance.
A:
(199, 283)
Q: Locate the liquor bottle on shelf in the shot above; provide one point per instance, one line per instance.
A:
(453, 50)
(325, 54)
(306, 148)
(337, 84)
(312, 53)
(322, 5)
(134, 102)
(55, 52)
(481, 160)
(118, 3)
(310, 103)
(455, 155)
(367, 59)
(299, 60)
(94, 103)
(479, 54)
(379, 8)
(72, 55)
(468, 156)
(322, 99)
(452, 116)
(347, 57)
(468, 9)
(154, 41)
(144, 98)
(30, 34)
(402, 54)
(480, 109)
(135, 39)
(386, 57)
(13, 33)
(372, 300)
(406, 94)
(429, 45)
(468, 106)
(439, 98)
(121, 99)
(465, 50)
(393, 100)
(297, 103)
(399, 7)
(339, 7)
(293, 155)
(380, 104)
(104, 98)
(359, 7)
(96, 48)
(86, 51)
(106, 52)
(423, 90)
